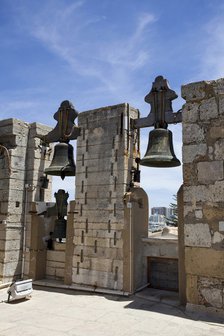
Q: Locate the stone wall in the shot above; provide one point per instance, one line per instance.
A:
(203, 193)
(22, 161)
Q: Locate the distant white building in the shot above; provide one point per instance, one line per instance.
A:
(167, 212)
(157, 222)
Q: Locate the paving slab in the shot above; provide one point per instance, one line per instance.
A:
(61, 312)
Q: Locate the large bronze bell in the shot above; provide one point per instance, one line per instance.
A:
(160, 152)
(63, 161)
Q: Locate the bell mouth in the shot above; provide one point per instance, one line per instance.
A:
(162, 163)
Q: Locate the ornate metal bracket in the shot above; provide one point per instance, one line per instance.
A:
(65, 130)
(160, 98)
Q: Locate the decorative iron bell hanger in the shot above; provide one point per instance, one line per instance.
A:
(160, 152)
(63, 159)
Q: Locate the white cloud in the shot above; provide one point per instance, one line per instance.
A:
(210, 49)
(110, 60)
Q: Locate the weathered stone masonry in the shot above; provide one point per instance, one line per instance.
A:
(106, 152)
(203, 193)
(21, 167)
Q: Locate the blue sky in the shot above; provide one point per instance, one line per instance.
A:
(104, 52)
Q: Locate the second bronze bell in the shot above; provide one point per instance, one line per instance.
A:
(160, 152)
(63, 161)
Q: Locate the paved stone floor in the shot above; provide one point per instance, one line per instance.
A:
(71, 313)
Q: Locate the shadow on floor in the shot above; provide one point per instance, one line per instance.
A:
(148, 299)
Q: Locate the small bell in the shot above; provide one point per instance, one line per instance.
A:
(160, 152)
(63, 161)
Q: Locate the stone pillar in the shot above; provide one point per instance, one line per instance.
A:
(41, 225)
(38, 157)
(203, 193)
(106, 150)
(136, 213)
(21, 164)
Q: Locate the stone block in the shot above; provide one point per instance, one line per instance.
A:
(190, 113)
(94, 278)
(209, 172)
(221, 105)
(219, 149)
(217, 191)
(4, 174)
(208, 109)
(100, 233)
(57, 256)
(198, 214)
(15, 195)
(165, 248)
(101, 192)
(16, 183)
(2, 245)
(101, 216)
(193, 133)
(192, 289)
(193, 194)
(19, 151)
(21, 140)
(86, 263)
(13, 269)
(102, 265)
(218, 239)
(26, 268)
(216, 132)
(100, 203)
(194, 152)
(204, 262)
(10, 256)
(204, 193)
(101, 242)
(99, 151)
(194, 92)
(15, 244)
(218, 86)
(16, 218)
(55, 264)
(211, 292)
(55, 272)
(13, 234)
(102, 252)
(197, 235)
(17, 174)
(189, 174)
